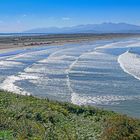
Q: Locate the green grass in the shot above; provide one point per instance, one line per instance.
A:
(30, 118)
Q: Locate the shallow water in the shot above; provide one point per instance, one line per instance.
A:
(101, 73)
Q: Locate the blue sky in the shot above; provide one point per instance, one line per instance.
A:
(20, 15)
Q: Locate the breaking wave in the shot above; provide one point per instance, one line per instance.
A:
(100, 100)
(130, 63)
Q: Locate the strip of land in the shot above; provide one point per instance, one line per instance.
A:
(28, 41)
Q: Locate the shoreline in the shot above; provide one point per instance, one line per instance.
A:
(17, 43)
(28, 47)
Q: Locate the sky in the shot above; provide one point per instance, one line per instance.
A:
(21, 15)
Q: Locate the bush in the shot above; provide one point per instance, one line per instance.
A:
(121, 128)
(6, 135)
(27, 117)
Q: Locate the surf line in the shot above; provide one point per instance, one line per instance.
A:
(73, 94)
(128, 56)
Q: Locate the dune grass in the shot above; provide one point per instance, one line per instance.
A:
(30, 118)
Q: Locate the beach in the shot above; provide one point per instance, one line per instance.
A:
(83, 70)
(14, 42)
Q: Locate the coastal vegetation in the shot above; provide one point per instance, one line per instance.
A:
(31, 118)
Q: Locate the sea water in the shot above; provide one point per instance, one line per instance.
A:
(100, 73)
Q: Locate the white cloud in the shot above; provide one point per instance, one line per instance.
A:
(24, 15)
(66, 18)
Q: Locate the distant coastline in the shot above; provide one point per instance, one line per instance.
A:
(28, 40)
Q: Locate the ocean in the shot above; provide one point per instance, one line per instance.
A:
(103, 73)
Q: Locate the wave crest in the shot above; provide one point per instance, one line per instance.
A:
(130, 63)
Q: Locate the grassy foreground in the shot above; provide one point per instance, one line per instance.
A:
(30, 118)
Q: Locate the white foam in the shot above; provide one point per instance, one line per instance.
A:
(5, 63)
(122, 44)
(9, 85)
(137, 44)
(100, 100)
(28, 76)
(58, 58)
(27, 55)
(130, 63)
(46, 66)
(70, 69)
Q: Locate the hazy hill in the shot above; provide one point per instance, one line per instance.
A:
(91, 28)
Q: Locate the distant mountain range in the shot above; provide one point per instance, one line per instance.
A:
(90, 28)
